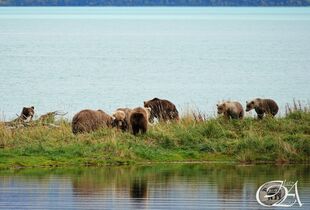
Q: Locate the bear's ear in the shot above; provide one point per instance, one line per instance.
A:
(144, 102)
(217, 105)
(32, 107)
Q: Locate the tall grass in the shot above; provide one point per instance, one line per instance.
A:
(194, 138)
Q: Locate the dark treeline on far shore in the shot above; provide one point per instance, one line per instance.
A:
(155, 3)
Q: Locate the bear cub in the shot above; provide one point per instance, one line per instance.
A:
(231, 109)
(263, 107)
(139, 119)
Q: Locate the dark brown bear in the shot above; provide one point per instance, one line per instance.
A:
(162, 109)
(27, 113)
(262, 107)
(90, 120)
(25, 117)
(139, 120)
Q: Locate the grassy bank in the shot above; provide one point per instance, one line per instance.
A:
(278, 140)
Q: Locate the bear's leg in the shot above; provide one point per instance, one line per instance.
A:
(226, 115)
(234, 116)
(165, 117)
(241, 115)
(260, 116)
(231, 114)
(135, 130)
(126, 126)
(143, 130)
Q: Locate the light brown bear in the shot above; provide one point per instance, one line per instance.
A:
(262, 107)
(139, 119)
(121, 118)
(90, 120)
(231, 109)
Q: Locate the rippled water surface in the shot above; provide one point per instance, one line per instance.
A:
(74, 58)
(172, 186)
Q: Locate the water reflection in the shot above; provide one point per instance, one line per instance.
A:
(184, 186)
(138, 189)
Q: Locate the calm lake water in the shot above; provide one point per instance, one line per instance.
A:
(74, 58)
(174, 186)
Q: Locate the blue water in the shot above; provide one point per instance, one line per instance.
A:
(172, 186)
(74, 58)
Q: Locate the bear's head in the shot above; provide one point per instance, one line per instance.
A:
(221, 108)
(252, 104)
(119, 120)
(150, 103)
(27, 113)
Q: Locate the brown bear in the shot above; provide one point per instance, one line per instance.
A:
(121, 118)
(262, 107)
(231, 109)
(90, 120)
(139, 118)
(27, 114)
(162, 109)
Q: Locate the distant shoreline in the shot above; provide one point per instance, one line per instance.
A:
(162, 6)
(158, 3)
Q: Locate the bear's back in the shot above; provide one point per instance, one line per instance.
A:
(89, 120)
(271, 106)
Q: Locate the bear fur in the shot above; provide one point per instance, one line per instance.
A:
(27, 114)
(262, 107)
(90, 120)
(121, 119)
(139, 119)
(231, 109)
(162, 109)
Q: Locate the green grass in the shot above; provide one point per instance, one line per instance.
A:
(279, 140)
